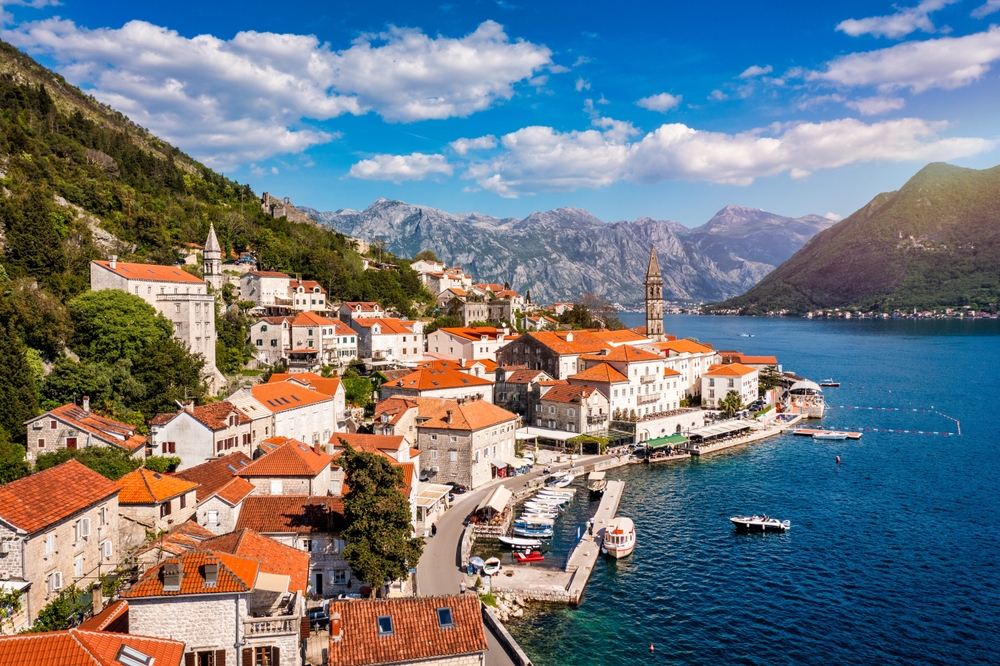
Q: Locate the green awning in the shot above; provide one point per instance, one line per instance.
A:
(672, 440)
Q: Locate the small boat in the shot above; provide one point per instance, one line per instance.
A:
(757, 523)
(548, 499)
(830, 435)
(596, 483)
(544, 509)
(515, 542)
(564, 481)
(619, 537)
(746, 335)
(492, 566)
(829, 382)
(533, 556)
(534, 527)
(558, 493)
(554, 477)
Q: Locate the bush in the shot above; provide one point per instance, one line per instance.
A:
(162, 464)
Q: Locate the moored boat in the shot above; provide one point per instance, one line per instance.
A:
(516, 542)
(757, 523)
(619, 537)
(564, 481)
(534, 527)
(830, 435)
(492, 566)
(596, 483)
(534, 556)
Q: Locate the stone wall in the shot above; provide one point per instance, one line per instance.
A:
(47, 439)
(226, 518)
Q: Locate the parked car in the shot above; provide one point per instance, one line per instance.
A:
(319, 618)
(457, 488)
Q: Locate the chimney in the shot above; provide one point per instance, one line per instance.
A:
(461, 362)
(86, 403)
(335, 633)
(112, 261)
(172, 576)
(569, 337)
(448, 417)
(189, 406)
(211, 572)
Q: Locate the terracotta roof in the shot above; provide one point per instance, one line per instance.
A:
(290, 458)
(408, 475)
(189, 535)
(308, 285)
(552, 382)
(389, 326)
(428, 379)
(318, 383)
(214, 417)
(370, 443)
(524, 376)
(101, 621)
(624, 335)
(291, 514)
(270, 274)
(77, 647)
(391, 375)
(417, 635)
(602, 372)
(150, 272)
(313, 319)
(44, 498)
(234, 491)
(624, 354)
(470, 415)
(488, 365)
(216, 474)
(395, 407)
(282, 396)
(236, 574)
(669, 372)
(738, 357)
(364, 306)
(567, 393)
(507, 293)
(569, 342)
(684, 347)
(274, 557)
(731, 370)
(477, 333)
(144, 486)
(105, 429)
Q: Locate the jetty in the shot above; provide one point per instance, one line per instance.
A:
(721, 436)
(809, 432)
(566, 585)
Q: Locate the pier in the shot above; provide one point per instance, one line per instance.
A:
(567, 585)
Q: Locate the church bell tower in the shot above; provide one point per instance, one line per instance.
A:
(654, 298)
(212, 260)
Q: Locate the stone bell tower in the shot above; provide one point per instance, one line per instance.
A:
(654, 298)
(212, 260)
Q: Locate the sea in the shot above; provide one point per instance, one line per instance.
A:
(893, 556)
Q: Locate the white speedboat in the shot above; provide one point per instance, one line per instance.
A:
(564, 481)
(757, 523)
(619, 537)
(518, 542)
(554, 477)
(546, 499)
(566, 494)
(830, 435)
(530, 507)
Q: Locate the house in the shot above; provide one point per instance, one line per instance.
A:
(691, 359)
(311, 524)
(649, 386)
(478, 306)
(329, 386)
(516, 389)
(152, 502)
(307, 295)
(58, 528)
(271, 338)
(721, 379)
(447, 383)
(450, 278)
(425, 266)
(181, 538)
(540, 323)
(335, 342)
(469, 441)
(570, 408)
(295, 410)
(555, 352)
(352, 310)
(397, 416)
(289, 467)
(417, 631)
(225, 608)
(220, 492)
(80, 647)
(267, 289)
(469, 343)
(275, 558)
(72, 427)
(261, 418)
(196, 434)
(176, 294)
(759, 362)
(390, 340)
(623, 336)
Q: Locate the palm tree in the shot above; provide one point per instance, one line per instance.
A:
(731, 404)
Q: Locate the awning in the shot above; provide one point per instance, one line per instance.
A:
(544, 433)
(14, 585)
(718, 429)
(499, 463)
(672, 440)
(517, 463)
(431, 495)
(498, 500)
(271, 583)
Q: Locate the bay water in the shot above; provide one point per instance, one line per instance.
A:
(893, 556)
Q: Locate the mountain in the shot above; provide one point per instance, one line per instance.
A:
(560, 253)
(933, 243)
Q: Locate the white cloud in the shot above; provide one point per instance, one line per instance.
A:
(872, 106)
(462, 146)
(232, 102)
(718, 96)
(900, 24)
(755, 70)
(833, 216)
(581, 60)
(536, 159)
(662, 102)
(397, 168)
(6, 17)
(947, 62)
(984, 10)
(818, 100)
(582, 84)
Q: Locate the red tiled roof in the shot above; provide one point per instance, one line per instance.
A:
(274, 557)
(470, 415)
(101, 621)
(144, 486)
(290, 514)
(216, 415)
(216, 474)
(428, 379)
(290, 458)
(370, 443)
(623, 335)
(395, 407)
(236, 574)
(189, 535)
(684, 346)
(389, 326)
(417, 635)
(737, 357)
(364, 306)
(477, 333)
(313, 319)
(105, 429)
(524, 376)
(282, 396)
(731, 370)
(602, 372)
(568, 393)
(44, 498)
(623, 354)
(77, 647)
(318, 383)
(552, 382)
(308, 285)
(569, 342)
(150, 272)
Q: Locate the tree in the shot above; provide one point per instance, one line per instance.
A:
(602, 310)
(769, 379)
(161, 464)
(357, 390)
(18, 394)
(110, 324)
(61, 613)
(33, 244)
(13, 466)
(108, 461)
(731, 404)
(380, 546)
(425, 255)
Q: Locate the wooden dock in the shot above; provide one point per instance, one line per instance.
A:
(809, 432)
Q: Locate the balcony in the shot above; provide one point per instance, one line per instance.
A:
(646, 399)
(647, 379)
(271, 626)
(273, 613)
(597, 418)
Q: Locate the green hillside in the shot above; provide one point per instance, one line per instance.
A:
(934, 243)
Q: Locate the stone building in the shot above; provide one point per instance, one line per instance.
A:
(469, 343)
(74, 647)
(654, 298)
(275, 558)
(440, 382)
(691, 359)
(226, 609)
(220, 492)
(271, 338)
(555, 352)
(417, 631)
(268, 290)
(632, 379)
(150, 502)
(351, 310)
(58, 528)
(295, 411)
(581, 409)
(389, 340)
(72, 427)
(278, 208)
(196, 434)
(212, 260)
(289, 467)
(517, 390)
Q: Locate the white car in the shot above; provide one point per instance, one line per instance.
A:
(530, 457)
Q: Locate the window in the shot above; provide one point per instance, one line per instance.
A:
(275, 486)
(711, 381)
(129, 656)
(55, 581)
(445, 620)
(260, 343)
(434, 454)
(454, 439)
(274, 343)
(78, 567)
(50, 543)
(453, 456)
(552, 409)
(165, 509)
(571, 412)
(183, 501)
(731, 383)
(107, 550)
(52, 425)
(307, 545)
(385, 625)
(261, 656)
(341, 577)
(169, 447)
(41, 443)
(104, 515)
(338, 545)
(82, 528)
(538, 408)
(263, 329)
(212, 517)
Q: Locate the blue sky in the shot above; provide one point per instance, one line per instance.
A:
(628, 109)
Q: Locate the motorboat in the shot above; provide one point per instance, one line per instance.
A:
(757, 523)
(829, 382)
(548, 509)
(619, 537)
(596, 483)
(550, 499)
(534, 527)
(830, 435)
(564, 481)
(560, 493)
(492, 566)
(517, 542)
(554, 477)
(533, 556)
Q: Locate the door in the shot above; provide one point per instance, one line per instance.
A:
(318, 587)
(71, 442)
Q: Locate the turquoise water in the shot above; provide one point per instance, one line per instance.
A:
(892, 557)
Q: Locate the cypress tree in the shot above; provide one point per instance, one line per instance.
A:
(18, 394)
(33, 245)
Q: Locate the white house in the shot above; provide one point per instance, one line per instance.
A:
(72, 427)
(329, 386)
(632, 379)
(297, 412)
(438, 382)
(719, 380)
(271, 338)
(265, 288)
(481, 342)
(389, 340)
(196, 434)
(351, 310)
(691, 359)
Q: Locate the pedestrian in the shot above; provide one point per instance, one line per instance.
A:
(461, 587)
(434, 530)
